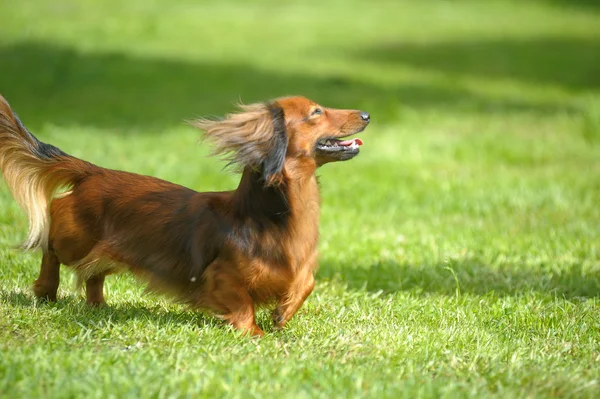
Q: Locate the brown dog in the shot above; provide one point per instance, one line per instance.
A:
(222, 251)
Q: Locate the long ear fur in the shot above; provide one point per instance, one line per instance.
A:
(272, 165)
(255, 137)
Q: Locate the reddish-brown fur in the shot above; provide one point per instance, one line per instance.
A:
(223, 251)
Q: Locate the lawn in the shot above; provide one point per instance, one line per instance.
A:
(460, 252)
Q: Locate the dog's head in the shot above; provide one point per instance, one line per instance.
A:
(264, 135)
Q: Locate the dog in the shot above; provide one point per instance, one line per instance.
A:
(225, 252)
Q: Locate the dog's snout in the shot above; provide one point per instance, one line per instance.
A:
(365, 116)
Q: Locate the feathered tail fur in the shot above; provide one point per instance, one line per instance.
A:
(34, 171)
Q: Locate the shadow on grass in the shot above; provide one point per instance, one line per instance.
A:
(586, 5)
(473, 278)
(572, 63)
(73, 308)
(46, 83)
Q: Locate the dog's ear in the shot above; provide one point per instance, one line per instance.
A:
(272, 165)
(254, 137)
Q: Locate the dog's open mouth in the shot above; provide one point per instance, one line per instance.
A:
(331, 149)
(335, 145)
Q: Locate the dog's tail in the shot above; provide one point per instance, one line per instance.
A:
(34, 171)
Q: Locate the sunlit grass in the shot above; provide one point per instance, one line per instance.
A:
(459, 252)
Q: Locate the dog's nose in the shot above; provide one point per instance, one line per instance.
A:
(365, 116)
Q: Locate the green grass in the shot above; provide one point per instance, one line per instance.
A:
(460, 252)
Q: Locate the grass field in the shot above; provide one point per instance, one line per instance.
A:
(460, 252)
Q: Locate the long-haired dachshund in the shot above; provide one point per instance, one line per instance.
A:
(221, 251)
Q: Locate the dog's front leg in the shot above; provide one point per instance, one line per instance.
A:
(227, 296)
(291, 301)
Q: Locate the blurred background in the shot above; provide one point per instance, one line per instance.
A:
(483, 151)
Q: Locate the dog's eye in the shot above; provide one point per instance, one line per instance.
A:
(316, 111)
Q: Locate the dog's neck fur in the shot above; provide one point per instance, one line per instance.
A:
(278, 223)
(277, 203)
(252, 197)
(293, 204)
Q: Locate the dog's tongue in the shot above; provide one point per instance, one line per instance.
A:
(346, 143)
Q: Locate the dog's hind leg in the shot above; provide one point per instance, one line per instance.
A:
(94, 290)
(46, 286)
